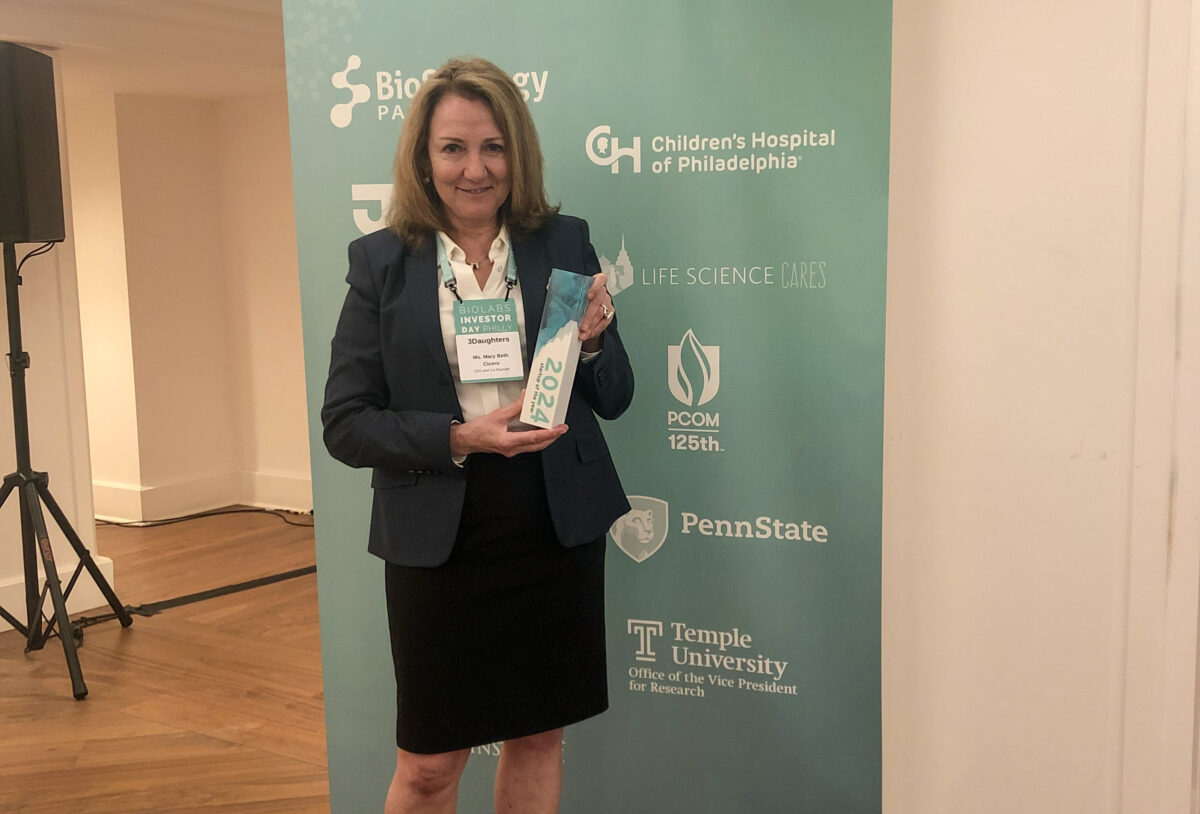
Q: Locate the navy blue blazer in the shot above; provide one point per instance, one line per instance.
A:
(390, 398)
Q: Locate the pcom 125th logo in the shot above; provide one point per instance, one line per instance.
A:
(693, 377)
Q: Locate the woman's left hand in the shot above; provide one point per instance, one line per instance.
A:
(598, 315)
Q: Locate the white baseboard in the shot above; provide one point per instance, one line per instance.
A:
(271, 490)
(124, 502)
(118, 502)
(84, 596)
(188, 497)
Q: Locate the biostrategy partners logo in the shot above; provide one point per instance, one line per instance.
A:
(642, 530)
(341, 113)
(395, 88)
(605, 149)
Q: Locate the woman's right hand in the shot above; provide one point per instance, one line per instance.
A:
(490, 433)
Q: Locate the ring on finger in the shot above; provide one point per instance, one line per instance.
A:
(606, 311)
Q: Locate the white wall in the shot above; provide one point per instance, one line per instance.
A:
(258, 229)
(171, 197)
(99, 234)
(1024, 155)
(190, 298)
(213, 309)
(228, 60)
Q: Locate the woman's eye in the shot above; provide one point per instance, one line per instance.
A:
(451, 148)
(493, 147)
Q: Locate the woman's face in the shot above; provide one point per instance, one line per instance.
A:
(468, 160)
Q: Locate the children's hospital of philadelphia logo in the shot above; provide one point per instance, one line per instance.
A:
(749, 150)
(605, 149)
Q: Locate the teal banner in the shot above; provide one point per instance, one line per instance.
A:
(732, 161)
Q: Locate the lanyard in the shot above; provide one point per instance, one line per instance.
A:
(510, 273)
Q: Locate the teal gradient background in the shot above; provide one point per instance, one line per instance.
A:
(800, 401)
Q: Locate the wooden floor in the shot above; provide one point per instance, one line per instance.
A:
(214, 706)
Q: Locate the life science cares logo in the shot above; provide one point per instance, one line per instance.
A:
(618, 273)
(341, 113)
(642, 530)
(605, 149)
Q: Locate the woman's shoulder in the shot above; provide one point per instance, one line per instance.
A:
(379, 244)
(384, 255)
(385, 249)
(560, 221)
(559, 226)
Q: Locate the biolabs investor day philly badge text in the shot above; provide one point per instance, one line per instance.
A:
(552, 371)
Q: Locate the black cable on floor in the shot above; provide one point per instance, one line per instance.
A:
(154, 608)
(166, 521)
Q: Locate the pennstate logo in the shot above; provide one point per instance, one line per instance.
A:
(642, 530)
(704, 361)
(341, 114)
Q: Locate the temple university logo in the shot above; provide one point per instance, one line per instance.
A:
(641, 531)
(693, 370)
(646, 631)
(605, 149)
(620, 273)
(340, 114)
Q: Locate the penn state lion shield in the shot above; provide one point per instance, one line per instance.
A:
(642, 530)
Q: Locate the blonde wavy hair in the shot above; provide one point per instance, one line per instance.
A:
(416, 210)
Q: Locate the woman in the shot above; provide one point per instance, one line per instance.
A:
(493, 538)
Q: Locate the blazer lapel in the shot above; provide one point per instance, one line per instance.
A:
(422, 283)
(533, 272)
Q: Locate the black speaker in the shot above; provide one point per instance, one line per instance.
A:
(31, 205)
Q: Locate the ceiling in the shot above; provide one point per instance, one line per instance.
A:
(204, 48)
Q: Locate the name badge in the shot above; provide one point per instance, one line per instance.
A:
(488, 339)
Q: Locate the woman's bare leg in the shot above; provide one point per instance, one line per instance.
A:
(529, 777)
(425, 784)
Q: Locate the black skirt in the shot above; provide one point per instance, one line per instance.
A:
(506, 638)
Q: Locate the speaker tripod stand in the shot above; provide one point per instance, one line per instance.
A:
(33, 491)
